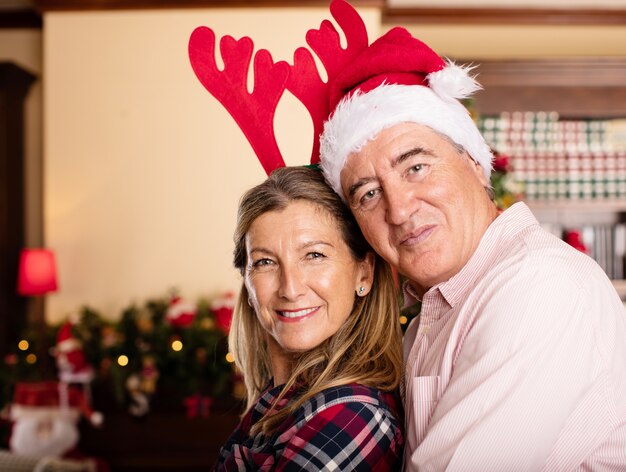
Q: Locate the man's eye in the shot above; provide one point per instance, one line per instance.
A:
(416, 168)
(262, 262)
(368, 196)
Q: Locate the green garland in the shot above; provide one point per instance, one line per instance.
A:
(188, 360)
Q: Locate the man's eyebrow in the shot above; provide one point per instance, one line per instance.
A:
(410, 153)
(396, 162)
(358, 184)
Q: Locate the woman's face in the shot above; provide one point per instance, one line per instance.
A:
(300, 275)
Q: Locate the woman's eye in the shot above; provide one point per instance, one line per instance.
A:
(315, 255)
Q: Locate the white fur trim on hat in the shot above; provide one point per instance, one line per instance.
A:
(362, 116)
(453, 81)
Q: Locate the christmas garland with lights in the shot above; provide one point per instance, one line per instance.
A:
(166, 346)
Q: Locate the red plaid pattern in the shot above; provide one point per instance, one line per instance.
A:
(347, 428)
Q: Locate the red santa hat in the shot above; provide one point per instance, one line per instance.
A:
(66, 341)
(398, 79)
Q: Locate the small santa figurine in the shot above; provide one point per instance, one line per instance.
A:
(70, 357)
(45, 420)
(74, 368)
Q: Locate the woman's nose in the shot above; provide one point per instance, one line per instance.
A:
(292, 283)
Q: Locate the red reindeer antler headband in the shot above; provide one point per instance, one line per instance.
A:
(254, 112)
(396, 79)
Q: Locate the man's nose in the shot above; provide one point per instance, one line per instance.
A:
(402, 202)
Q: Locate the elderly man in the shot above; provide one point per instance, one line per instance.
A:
(517, 361)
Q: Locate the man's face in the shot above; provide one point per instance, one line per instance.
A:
(420, 202)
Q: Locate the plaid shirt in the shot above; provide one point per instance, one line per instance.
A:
(346, 428)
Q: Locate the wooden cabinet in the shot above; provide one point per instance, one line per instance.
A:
(163, 441)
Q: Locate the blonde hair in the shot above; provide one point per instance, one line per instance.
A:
(367, 347)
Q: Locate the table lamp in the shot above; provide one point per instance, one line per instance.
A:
(37, 276)
(37, 272)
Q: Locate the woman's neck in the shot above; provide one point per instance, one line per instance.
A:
(281, 363)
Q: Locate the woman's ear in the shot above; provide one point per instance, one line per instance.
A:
(365, 277)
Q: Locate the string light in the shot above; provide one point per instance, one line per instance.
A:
(122, 360)
(177, 345)
(23, 345)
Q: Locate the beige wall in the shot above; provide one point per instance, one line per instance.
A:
(144, 168)
(525, 41)
(23, 48)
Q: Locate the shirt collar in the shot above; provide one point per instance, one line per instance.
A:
(509, 223)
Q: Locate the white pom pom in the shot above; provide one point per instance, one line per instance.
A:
(453, 81)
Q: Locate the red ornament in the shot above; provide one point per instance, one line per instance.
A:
(223, 311)
(180, 313)
(500, 162)
(574, 239)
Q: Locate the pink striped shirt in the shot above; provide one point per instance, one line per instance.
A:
(518, 362)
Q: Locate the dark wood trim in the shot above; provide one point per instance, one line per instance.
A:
(20, 19)
(575, 87)
(508, 16)
(15, 83)
(557, 72)
(49, 5)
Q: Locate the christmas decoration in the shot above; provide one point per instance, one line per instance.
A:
(198, 406)
(45, 418)
(180, 313)
(506, 190)
(574, 238)
(223, 309)
(161, 353)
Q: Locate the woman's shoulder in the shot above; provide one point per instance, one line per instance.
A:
(353, 425)
(349, 396)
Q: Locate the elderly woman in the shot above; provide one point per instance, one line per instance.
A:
(315, 333)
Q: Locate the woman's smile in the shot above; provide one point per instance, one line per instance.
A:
(290, 316)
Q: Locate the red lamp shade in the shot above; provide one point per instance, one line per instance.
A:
(37, 272)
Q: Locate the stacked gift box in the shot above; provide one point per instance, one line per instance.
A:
(561, 159)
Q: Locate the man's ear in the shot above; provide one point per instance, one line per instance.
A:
(478, 170)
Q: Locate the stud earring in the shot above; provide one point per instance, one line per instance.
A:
(361, 290)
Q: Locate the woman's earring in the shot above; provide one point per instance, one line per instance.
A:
(361, 290)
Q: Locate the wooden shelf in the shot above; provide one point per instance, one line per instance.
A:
(608, 206)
